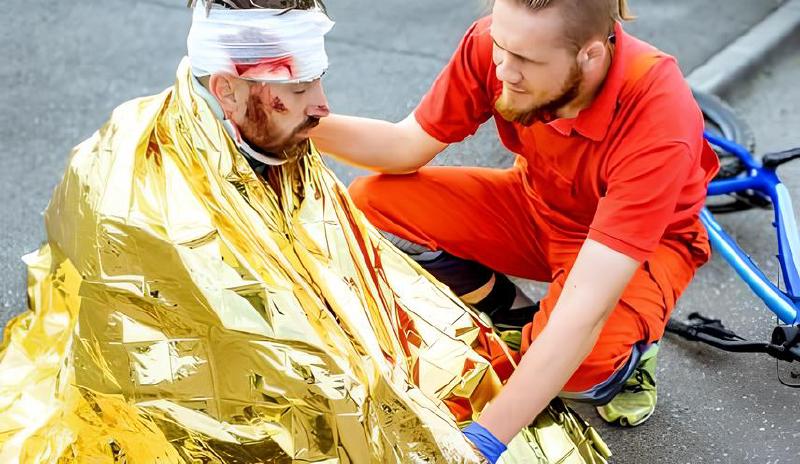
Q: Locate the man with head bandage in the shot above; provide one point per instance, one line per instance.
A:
(209, 292)
(262, 65)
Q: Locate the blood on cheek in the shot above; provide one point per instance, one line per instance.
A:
(262, 94)
(277, 104)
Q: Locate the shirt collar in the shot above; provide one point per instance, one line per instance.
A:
(593, 122)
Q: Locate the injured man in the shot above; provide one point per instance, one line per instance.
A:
(208, 292)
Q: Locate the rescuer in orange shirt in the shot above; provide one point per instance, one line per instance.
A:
(602, 201)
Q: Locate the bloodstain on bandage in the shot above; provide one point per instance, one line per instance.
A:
(268, 68)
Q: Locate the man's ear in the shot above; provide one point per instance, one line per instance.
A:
(230, 94)
(592, 54)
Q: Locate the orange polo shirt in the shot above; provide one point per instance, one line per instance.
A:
(629, 171)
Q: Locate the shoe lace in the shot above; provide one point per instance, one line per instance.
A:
(639, 380)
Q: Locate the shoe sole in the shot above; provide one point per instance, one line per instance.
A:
(618, 421)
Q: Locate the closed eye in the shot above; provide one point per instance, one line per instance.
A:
(515, 55)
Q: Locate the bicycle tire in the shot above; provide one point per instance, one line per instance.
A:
(721, 119)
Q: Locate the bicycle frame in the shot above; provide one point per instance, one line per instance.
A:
(764, 180)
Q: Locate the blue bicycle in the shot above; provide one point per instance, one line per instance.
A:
(750, 183)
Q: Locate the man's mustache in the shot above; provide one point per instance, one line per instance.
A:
(310, 123)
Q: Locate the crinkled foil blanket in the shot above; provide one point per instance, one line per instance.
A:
(186, 310)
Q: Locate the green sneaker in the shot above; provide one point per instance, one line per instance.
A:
(635, 403)
(509, 323)
(513, 338)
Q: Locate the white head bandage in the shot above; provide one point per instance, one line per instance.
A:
(281, 46)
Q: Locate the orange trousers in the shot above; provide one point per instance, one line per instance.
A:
(485, 215)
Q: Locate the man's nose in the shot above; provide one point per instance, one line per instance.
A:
(506, 73)
(318, 106)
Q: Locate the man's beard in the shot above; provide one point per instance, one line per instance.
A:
(256, 133)
(544, 111)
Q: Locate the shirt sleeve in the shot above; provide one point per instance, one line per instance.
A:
(641, 200)
(646, 174)
(459, 101)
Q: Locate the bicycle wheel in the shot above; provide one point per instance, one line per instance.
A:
(723, 120)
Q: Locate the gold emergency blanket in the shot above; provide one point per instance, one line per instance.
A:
(186, 310)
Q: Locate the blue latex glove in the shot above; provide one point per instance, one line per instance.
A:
(486, 443)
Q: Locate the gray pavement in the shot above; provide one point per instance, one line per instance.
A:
(66, 65)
